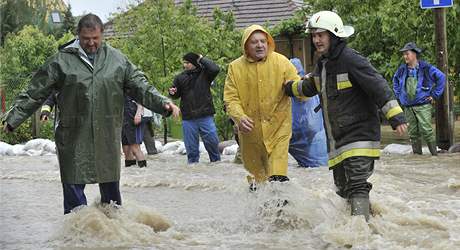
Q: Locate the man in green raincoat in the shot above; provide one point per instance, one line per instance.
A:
(90, 79)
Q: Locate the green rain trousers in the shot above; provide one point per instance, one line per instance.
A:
(419, 118)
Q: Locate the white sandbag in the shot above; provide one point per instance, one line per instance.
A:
(4, 147)
(171, 146)
(143, 148)
(181, 149)
(230, 150)
(402, 149)
(17, 149)
(34, 152)
(49, 147)
(159, 146)
(202, 148)
(40, 144)
(36, 144)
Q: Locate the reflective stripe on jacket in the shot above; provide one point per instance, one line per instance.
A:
(351, 92)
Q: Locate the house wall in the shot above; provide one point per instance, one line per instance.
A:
(299, 47)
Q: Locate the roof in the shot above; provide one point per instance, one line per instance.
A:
(247, 12)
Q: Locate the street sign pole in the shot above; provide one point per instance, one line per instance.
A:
(444, 107)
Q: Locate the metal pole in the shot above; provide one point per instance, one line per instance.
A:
(165, 125)
(35, 125)
(444, 106)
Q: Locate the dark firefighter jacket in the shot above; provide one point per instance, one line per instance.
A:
(90, 102)
(351, 92)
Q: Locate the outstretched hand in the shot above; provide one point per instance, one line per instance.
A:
(173, 108)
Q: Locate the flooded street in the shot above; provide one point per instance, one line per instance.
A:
(416, 204)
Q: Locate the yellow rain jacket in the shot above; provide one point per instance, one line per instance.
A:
(254, 89)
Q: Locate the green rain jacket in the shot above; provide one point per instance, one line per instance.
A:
(90, 101)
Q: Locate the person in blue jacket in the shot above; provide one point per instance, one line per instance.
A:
(416, 84)
(308, 142)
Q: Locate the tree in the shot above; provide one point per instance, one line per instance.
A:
(14, 14)
(21, 55)
(156, 34)
(68, 24)
(382, 27)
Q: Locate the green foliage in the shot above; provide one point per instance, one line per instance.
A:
(158, 34)
(292, 26)
(21, 134)
(382, 27)
(21, 55)
(68, 24)
(14, 14)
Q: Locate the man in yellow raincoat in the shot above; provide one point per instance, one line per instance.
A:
(255, 100)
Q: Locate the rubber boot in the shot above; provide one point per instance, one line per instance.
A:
(129, 163)
(142, 164)
(432, 148)
(417, 147)
(360, 206)
(280, 178)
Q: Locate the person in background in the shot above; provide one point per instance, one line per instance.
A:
(91, 78)
(255, 101)
(193, 87)
(149, 132)
(132, 133)
(308, 142)
(47, 107)
(416, 85)
(351, 92)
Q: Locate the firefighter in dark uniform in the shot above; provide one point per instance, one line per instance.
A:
(351, 92)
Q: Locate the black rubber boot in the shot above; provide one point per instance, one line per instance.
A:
(360, 206)
(432, 148)
(129, 163)
(417, 147)
(280, 178)
(142, 164)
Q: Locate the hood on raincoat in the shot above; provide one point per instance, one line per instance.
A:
(248, 32)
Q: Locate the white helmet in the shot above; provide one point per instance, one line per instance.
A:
(328, 20)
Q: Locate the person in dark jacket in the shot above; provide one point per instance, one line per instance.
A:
(416, 84)
(192, 86)
(132, 133)
(351, 92)
(47, 107)
(91, 78)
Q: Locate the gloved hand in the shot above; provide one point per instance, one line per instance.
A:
(44, 115)
(279, 178)
(288, 88)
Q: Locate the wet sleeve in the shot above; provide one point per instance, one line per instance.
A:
(39, 89)
(439, 79)
(177, 85)
(376, 87)
(231, 98)
(137, 87)
(48, 105)
(210, 68)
